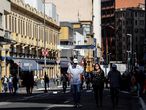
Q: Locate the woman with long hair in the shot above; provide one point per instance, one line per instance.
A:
(98, 84)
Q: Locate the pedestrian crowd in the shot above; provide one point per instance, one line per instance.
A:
(133, 82)
(9, 84)
(76, 76)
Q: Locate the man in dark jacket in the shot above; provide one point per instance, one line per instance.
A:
(114, 77)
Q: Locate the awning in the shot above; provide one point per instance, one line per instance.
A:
(64, 64)
(4, 41)
(41, 61)
(27, 65)
(84, 47)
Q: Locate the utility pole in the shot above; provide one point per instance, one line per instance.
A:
(128, 61)
(45, 47)
(131, 50)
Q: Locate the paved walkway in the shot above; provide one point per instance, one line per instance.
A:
(143, 102)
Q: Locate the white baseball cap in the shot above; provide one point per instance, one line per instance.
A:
(75, 60)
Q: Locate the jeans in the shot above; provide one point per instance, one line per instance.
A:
(76, 93)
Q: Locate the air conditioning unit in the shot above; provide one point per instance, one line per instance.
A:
(7, 35)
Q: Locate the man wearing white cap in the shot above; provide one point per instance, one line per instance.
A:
(75, 72)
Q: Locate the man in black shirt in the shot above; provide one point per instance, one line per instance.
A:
(114, 77)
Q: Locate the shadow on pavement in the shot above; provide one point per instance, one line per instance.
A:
(62, 101)
(21, 108)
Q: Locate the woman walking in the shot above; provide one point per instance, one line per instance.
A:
(98, 84)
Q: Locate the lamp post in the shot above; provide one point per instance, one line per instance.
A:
(45, 47)
(131, 49)
(128, 61)
(135, 59)
(109, 57)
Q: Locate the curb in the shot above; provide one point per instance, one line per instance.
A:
(142, 103)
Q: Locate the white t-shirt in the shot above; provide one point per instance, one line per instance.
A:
(75, 74)
(10, 79)
(5, 80)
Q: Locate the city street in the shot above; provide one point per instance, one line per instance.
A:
(47, 44)
(57, 100)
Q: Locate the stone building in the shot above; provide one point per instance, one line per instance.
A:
(130, 33)
(35, 37)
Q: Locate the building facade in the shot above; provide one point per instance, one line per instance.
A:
(84, 44)
(66, 43)
(76, 42)
(108, 29)
(34, 39)
(82, 11)
(5, 34)
(130, 28)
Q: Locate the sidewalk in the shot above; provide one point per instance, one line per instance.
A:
(143, 102)
(21, 92)
(126, 102)
(52, 86)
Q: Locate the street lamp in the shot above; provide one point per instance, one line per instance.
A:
(45, 46)
(135, 59)
(131, 49)
(109, 57)
(128, 61)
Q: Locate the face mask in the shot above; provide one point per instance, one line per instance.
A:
(74, 65)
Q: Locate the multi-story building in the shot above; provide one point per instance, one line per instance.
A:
(66, 44)
(85, 12)
(76, 41)
(3, 12)
(5, 34)
(84, 44)
(49, 8)
(34, 39)
(130, 29)
(108, 29)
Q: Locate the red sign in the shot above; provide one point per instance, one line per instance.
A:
(44, 52)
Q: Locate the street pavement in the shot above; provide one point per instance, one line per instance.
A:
(143, 101)
(55, 99)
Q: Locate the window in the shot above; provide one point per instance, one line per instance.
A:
(23, 27)
(6, 21)
(123, 14)
(135, 22)
(141, 22)
(0, 20)
(19, 25)
(135, 14)
(87, 28)
(13, 26)
(136, 30)
(141, 14)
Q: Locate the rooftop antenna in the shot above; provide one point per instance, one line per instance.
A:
(78, 16)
